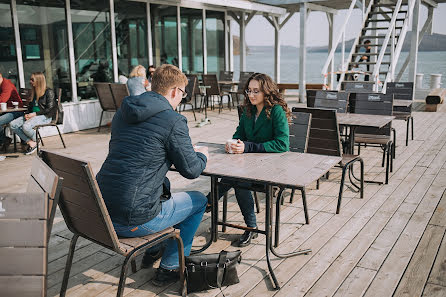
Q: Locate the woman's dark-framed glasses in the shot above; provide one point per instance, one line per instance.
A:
(254, 92)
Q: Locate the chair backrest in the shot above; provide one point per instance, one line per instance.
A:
(44, 180)
(105, 96)
(226, 75)
(374, 103)
(196, 89)
(244, 76)
(58, 99)
(81, 202)
(23, 244)
(311, 97)
(190, 88)
(25, 95)
(324, 136)
(300, 131)
(332, 100)
(358, 87)
(401, 91)
(211, 81)
(119, 92)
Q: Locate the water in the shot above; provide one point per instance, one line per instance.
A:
(261, 59)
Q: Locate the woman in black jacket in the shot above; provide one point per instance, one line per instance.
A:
(41, 110)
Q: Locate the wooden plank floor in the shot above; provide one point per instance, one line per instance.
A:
(391, 242)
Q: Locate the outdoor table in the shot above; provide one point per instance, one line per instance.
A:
(287, 170)
(402, 103)
(12, 109)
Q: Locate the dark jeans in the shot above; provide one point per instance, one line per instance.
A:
(244, 200)
(6, 119)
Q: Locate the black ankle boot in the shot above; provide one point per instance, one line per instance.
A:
(165, 276)
(246, 237)
(149, 258)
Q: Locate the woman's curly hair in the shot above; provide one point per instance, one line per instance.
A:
(271, 94)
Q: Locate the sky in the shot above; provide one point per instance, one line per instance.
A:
(260, 32)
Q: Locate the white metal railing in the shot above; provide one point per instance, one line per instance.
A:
(341, 37)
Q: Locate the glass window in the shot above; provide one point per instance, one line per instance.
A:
(164, 34)
(43, 35)
(215, 39)
(8, 58)
(92, 45)
(192, 39)
(131, 35)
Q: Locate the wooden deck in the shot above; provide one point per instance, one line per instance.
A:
(391, 242)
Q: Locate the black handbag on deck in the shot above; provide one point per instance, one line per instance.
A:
(212, 271)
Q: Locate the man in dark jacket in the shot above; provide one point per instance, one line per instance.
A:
(147, 137)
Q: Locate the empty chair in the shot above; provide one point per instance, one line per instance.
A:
(331, 100)
(25, 95)
(191, 86)
(402, 91)
(213, 90)
(378, 104)
(226, 75)
(86, 215)
(119, 92)
(311, 97)
(106, 99)
(244, 76)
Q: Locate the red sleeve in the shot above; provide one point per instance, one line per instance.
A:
(6, 91)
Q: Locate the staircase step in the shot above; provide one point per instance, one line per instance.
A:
(380, 28)
(383, 5)
(376, 21)
(370, 54)
(368, 63)
(359, 45)
(371, 36)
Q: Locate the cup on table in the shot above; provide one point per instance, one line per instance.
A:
(16, 104)
(3, 106)
(230, 142)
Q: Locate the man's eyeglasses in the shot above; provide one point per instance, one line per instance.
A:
(254, 92)
(184, 93)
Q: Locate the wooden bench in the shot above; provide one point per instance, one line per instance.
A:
(23, 244)
(86, 215)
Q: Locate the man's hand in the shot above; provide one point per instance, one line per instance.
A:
(30, 115)
(238, 148)
(202, 149)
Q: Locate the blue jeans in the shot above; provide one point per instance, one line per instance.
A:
(244, 200)
(6, 119)
(24, 129)
(183, 211)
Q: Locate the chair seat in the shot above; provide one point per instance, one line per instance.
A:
(401, 115)
(372, 139)
(346, 158)
(128, 244)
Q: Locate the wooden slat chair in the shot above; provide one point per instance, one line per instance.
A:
(379, 104)
(192, 82)
(53, 123)
(25, 95)
(311, 97)
(226, 75)
(196, 90)
(324, 139)
(244, 76)
(86, 215)
(211, 81)
(402, 91)
(106, 99)
(23, 244)
(331, 100)
(358, 87)
(119, 92)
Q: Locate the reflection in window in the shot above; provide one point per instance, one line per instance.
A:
(192, 40)
(92, 45)
(131, 35)
(164, 34)
(8, 58)
(215, 38)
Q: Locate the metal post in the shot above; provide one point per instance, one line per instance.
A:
(180, 48)
(330, 18)
(149, 33)
(71, 59)
(18, 44)
(113, 41)
(226, 42)
(231, 47)
(205, 44)
(302, 50)
(276, 49)
(392, 55)
(414, 41)
(242, 42)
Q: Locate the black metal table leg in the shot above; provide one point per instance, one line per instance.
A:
(268, 220)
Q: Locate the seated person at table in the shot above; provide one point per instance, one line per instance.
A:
(137, 81)
(41, 111)
(147, 137)
(263, 128)
(8, 94)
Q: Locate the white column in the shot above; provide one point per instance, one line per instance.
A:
(414, 42)
(18, 44)
(180, 48)
(71, 60)
(231, 47)
(330, 18)
(113, 41)
(242, 42)
(205, 44)
(302, 51)
(149, 34)
(276, 49)
(226, 42)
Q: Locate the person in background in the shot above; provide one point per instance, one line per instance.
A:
(150, 72)
(41, 110)
(122, 78)
(147, 138)
(8, 94)
(263, 128)
(366, 58)
(137, 81)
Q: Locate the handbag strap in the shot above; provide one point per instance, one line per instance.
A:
(221, 267)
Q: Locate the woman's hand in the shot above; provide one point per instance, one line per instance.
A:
(30, 115)
(238, 148)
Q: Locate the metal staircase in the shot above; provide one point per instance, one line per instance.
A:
(377, 47)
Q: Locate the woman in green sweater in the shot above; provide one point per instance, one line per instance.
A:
(263, 128)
